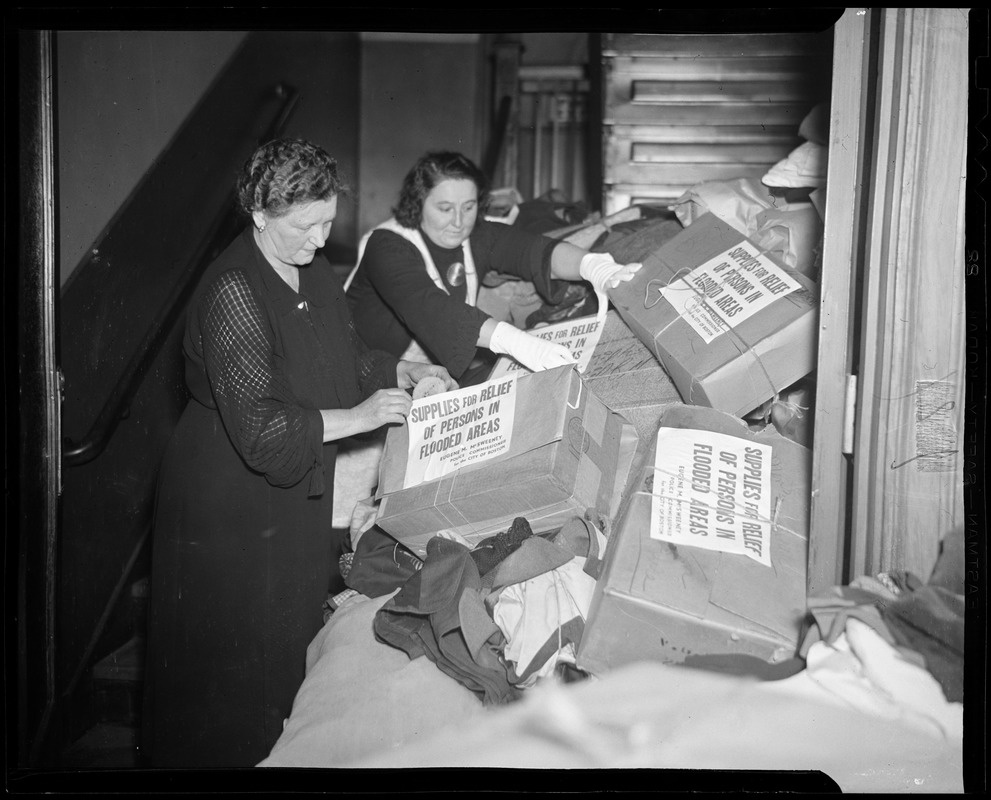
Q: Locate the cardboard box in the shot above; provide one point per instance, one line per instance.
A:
(625, 375)
(566, 452)
(681, 603)
(731, 325)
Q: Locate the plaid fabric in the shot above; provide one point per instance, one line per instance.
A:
(334, 602)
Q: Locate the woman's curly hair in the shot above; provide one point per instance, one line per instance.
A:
(429, 170)
(286, 172)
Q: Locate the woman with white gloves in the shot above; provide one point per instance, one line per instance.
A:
(414, 289)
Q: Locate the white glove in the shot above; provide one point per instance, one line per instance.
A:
(532, 352)
(600, 270)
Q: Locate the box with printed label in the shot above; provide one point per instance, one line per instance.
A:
(730, 324)
(468, 462)
(708, 560)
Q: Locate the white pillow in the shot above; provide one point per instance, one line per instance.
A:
(362, 698)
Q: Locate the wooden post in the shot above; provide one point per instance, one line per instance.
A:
(508, 52)
(908, 459)
(848, 153)
(39, 473)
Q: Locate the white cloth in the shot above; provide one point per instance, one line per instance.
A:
(866, 671)
(804, 167)
(531, 612)
(356, 474)
(364, 704)
(361, 697)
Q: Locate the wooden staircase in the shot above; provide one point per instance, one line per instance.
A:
(115, 691)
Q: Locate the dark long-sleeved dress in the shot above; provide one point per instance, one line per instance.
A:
(394, 300)
(242, 554)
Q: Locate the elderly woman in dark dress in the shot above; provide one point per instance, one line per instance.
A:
(242, 539)
(413, 291)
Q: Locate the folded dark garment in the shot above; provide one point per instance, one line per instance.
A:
(424, 618)
(490, 551)
(930, 621)
(440, 612)
(380, 564)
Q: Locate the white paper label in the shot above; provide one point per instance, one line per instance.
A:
(457, 429)
(728, 289)
(713, 491)
(580, 336)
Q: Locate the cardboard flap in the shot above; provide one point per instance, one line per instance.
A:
(702, 418)
(629, 443)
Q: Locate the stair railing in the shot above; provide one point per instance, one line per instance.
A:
(117, 405)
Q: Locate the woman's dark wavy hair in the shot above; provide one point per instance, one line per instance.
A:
(428, 171)
(286, 172)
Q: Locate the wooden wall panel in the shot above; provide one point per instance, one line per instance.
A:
(717, 67)
(681, 176)
(409, 83)
(683, 109)
(749, 45)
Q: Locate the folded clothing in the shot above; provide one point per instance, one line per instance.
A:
(430, 616)
(444, 611)
(924, 623)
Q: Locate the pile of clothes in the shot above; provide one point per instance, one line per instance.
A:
(496, 617)
(923, 622)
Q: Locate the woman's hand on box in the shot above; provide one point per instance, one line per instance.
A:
(602, 271)
(409, 375)
(532, 352)
(385, 407)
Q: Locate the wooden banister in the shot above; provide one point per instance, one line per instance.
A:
(219, 233)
